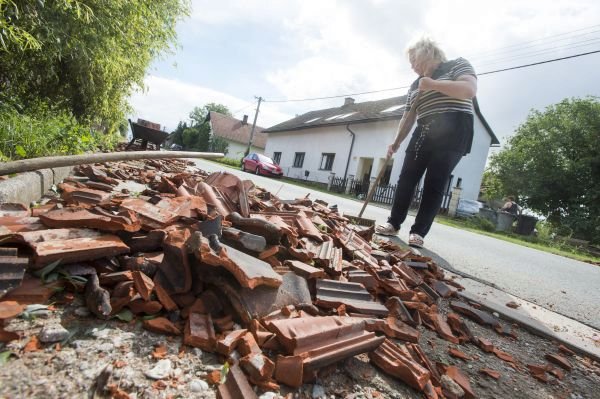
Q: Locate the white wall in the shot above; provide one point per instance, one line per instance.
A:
(371, 141)
(236, 150)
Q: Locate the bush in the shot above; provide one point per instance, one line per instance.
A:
(236, 163)
(480, 223)
(47, 133)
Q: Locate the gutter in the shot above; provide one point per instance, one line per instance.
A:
(349, 152)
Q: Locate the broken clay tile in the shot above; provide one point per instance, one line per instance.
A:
(443, 289)
(479, 316)
(32, 290)
(459, 328)
(503, 355)
(559, 361)
(174, 272)
(14, 210)
(236, 386)
(151, 216)
(492, 373)
(200, 332)
(566, 350)
(161, 325)
(249, 271)
(304, 270)
(116, 277)
(458, 354)
(270, 251)
(294, 370)
(442, 327)
(248, 345)
(556, 372)
(538, 372)
(139, 306)
(124, 289)
(78, 250)
(77, 217)
(143, 284)
(461, 379)
(331, 294)
(393, 328)
(249, 241)
(164, 298)
(7, 336)
(227, 344)
(259, 226)
(12, 271)
(97, 299)
(10, 310)
(257, 366)
(223, 324)
(399, 311)
(397, 361)
(484, 344)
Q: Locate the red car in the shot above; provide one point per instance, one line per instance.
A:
(261, 165)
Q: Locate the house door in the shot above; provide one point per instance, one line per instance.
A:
(365, 167)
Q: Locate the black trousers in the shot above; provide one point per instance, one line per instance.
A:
(438, 165)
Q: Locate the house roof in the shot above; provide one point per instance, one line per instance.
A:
(351, 112)
(234, 129)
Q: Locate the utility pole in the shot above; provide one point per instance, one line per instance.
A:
(253, 126)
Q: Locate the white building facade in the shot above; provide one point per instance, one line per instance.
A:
(319, 144)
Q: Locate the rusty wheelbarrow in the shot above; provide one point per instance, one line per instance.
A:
(147, 132)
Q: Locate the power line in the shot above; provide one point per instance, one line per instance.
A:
(570, 46)
(405, 87)
(504, 53)
(539, 63)
(338, 96)
(537, 40)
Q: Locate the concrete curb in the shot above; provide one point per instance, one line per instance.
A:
(31, 186)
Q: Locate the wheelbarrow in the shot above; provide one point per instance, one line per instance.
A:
(146, 135)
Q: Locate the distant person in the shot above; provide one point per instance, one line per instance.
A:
(510, 206)
(444, 133)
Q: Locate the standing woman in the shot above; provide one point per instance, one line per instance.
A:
(444, 133)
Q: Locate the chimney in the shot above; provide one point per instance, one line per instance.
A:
(348, 101)
(245, 120)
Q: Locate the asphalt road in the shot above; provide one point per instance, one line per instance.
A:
(563, 285)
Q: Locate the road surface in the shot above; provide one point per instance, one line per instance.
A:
(563, 285)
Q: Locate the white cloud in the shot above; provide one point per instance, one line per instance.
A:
(168, 101)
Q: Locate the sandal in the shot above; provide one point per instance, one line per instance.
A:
(386, 229)
(415, 240)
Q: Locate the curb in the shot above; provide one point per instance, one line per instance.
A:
(29, 187)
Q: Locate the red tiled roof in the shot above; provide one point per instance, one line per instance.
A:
(233, 129)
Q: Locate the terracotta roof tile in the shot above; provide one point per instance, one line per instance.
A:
(233, 129)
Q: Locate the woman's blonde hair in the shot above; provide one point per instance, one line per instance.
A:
(426, 49)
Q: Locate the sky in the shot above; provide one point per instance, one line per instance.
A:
(232, 51)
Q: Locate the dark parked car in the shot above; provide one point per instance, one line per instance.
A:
(261, 165)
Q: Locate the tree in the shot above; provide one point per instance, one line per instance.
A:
(553, 164)
(82, 56)
(197, 136)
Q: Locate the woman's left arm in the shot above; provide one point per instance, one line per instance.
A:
(463, 88)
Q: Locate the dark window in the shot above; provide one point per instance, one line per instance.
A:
(459, 182)
(277, 157)
(327, 161)
(299, 159)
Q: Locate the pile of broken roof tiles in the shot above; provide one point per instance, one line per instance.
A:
(280, 289)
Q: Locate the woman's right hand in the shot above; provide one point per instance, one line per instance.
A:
(390, 151)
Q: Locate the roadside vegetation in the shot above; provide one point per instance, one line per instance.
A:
(195, 134)
(67, 68)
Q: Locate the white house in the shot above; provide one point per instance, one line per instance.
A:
(351, 140)
(237, 134)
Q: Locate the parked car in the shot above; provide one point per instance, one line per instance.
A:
(261, 165)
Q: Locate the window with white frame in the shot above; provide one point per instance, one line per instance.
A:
(327, 161)
(277, 157)
(299, 159)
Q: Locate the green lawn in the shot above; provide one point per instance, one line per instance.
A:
(528, 241)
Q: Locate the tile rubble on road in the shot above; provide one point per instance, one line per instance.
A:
(280, 289)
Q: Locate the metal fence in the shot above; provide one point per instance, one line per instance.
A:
(384, 194)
